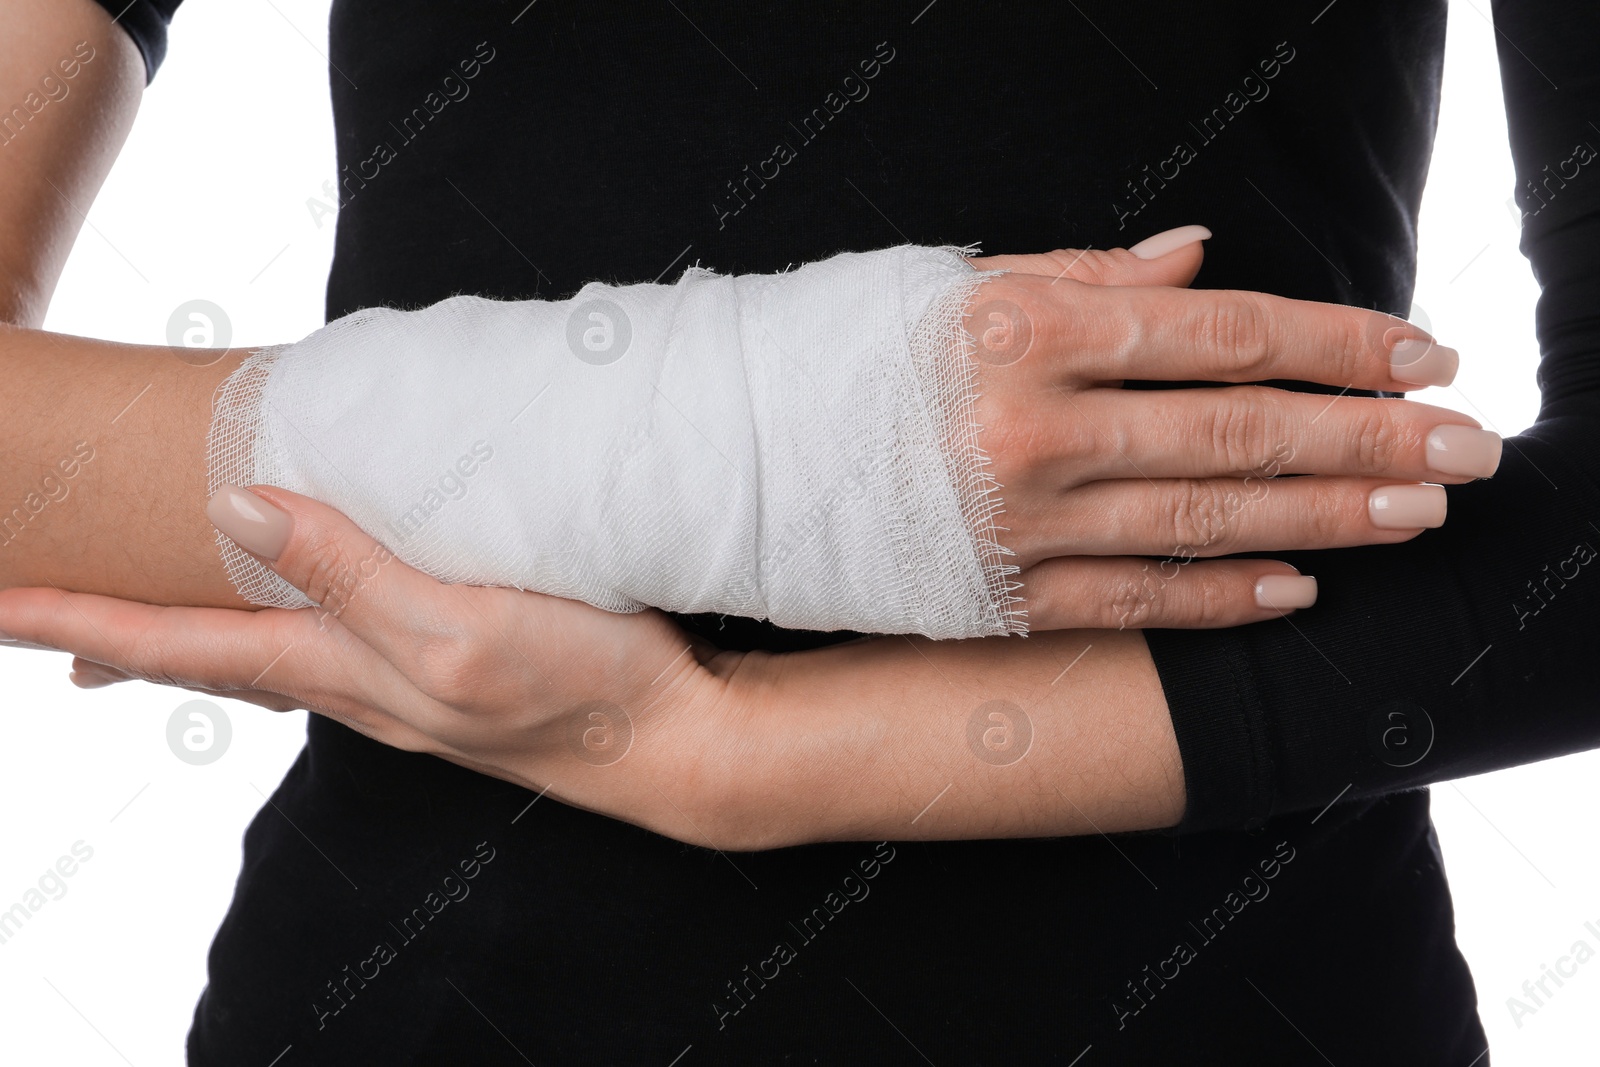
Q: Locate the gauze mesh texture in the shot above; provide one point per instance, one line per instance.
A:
(797, 447)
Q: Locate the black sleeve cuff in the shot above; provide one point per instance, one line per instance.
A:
(1468, 649)
(1216, 714)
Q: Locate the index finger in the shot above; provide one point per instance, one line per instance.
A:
(1163, 334)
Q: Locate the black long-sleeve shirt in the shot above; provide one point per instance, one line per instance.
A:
(1302, 910)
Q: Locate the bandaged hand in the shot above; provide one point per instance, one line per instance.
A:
(885, 442)
(1094, 473)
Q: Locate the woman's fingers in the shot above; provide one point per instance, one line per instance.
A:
(1172, 257)
(88, 674)
(218, 650)
(1121, 593)
(1234, 336)
(462, 646)
(1203, 433)
(446, 641)
(1094, 333)
(1222, 516)
(339, 567)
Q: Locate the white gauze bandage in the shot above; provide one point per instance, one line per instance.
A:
(798, 447)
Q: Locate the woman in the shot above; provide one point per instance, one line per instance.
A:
(687, 949)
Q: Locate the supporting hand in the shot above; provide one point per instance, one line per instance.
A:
(549, 693)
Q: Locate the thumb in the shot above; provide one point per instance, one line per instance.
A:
(1171, 257)
(337, 565)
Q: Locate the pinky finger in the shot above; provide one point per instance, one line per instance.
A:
(87, 674)
(1108, 592)
(91, 674)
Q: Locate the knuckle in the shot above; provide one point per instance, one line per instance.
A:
(1351, 347)
(446, 668)
(1076, 438)
(999, 287)
(1025, 444)
(1036, 312)
(1001, 320)
(1198, 514)
(1375, 441)
(1124, 324)
(1042, 592)
(1095, 267)
(1010, 442)
(1238, 329)
(1326, 518)
(1069, 263)
(329, 577)
(1129, 605)
(1211, 598)
(1235, 426)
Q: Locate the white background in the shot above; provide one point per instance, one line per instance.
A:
(209, 201)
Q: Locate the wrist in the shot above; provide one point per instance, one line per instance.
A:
(730, 744)
(795, 738)
(681, 770)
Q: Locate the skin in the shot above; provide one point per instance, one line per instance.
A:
(140, 411)
(55, 166)
(1093, 473)
(729, 750)
(126, 523)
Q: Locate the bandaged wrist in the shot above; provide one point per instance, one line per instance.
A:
(798, 447)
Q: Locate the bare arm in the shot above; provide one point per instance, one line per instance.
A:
(1062, 733)
(103, 470)
(70, 81)
(102, 445)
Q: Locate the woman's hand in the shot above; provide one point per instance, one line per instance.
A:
(552, 694)
(1065, 733)
(1094, 474)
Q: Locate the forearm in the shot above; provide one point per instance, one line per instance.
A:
(1063, 733)
(103, 469)
(102, 445)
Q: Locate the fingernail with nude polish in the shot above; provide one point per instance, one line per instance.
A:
(1423, 362)
(1168, 241)
(254, 524)
(1463, 450)
(89, 678)
(1284, 592)
(1406, 507)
